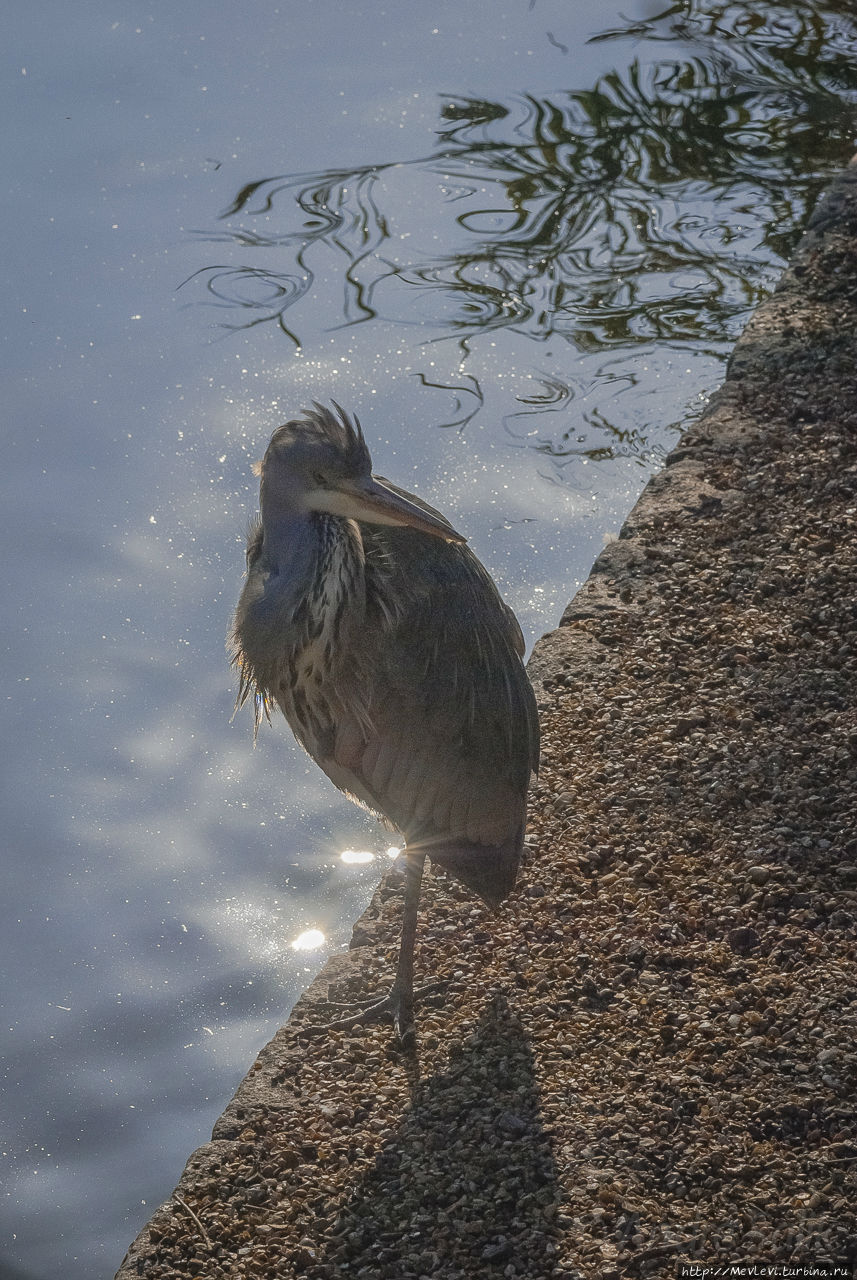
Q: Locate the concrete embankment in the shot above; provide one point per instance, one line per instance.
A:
(647, 1058)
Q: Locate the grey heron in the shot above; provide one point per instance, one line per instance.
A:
(386, 645)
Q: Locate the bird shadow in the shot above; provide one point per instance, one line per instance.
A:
(467, 1184)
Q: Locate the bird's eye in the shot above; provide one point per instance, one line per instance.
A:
(319, 479)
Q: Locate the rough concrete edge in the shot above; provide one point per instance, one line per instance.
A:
(615, 584)
(724, 428)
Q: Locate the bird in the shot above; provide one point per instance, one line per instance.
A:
(367, 621)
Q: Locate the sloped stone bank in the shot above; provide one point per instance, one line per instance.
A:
(647, 1058)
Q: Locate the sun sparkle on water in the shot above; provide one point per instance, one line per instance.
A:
(308, 940)
(356, 855)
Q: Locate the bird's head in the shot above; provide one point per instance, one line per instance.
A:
(320, 462)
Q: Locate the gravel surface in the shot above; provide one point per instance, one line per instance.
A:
(647, 1058)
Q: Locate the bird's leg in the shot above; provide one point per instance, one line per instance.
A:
(402, 993)
(400, 1002)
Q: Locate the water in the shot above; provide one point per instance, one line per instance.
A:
(518, 239)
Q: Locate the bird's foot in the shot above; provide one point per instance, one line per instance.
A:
(397, 1007)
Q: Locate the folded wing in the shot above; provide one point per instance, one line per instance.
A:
(452, 734)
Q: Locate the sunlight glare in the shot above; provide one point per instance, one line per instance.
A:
(356, 855)
(308, 940)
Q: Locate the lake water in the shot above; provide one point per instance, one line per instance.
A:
(518, 238)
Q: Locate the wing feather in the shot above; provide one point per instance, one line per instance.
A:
(388, 744)
(449, 732)
(452, 690)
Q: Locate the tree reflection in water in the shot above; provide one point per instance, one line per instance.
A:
(653, 210)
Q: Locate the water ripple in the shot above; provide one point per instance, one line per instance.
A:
(654, 207)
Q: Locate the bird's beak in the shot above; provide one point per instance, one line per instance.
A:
(377, 501)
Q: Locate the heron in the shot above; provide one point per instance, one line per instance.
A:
(369, 623)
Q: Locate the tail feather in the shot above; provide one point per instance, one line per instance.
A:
(488, 870)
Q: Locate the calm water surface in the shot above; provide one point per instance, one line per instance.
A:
(518, 238)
